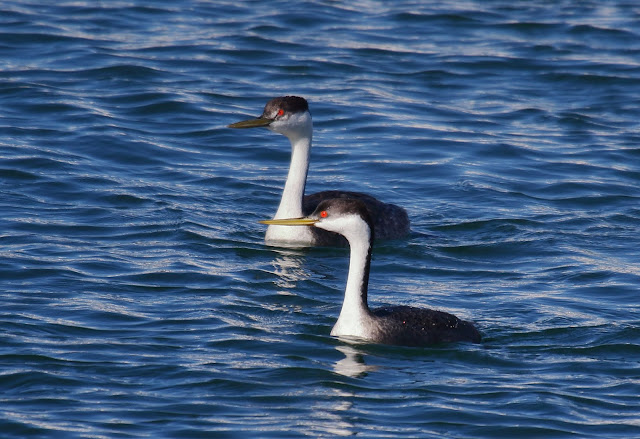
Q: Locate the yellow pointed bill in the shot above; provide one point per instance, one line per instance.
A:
(290, 222)
(252, 123)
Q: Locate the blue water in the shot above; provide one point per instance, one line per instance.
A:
(139, 300)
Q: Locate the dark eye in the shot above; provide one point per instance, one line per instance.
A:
(323, 214)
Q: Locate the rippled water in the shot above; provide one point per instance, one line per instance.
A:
(139, 300)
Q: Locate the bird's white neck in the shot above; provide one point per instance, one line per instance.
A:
(355, 312)
(291, 201)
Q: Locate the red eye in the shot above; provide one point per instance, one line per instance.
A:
(280, 112)
(323, 214)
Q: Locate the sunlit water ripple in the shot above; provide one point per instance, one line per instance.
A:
(138, 297)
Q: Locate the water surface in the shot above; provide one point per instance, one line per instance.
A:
(138, 297)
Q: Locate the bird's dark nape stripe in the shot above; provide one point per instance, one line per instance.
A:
(353, 206)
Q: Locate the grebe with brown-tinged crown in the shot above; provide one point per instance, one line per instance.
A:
(290, 116)
(395, 325)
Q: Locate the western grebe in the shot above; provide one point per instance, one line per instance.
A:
(396, 325)
(289, 115)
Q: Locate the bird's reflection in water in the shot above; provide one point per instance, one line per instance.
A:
(332, 415)
(289, 267)
(352, 365)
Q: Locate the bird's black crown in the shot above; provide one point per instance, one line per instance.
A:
(289, 104)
